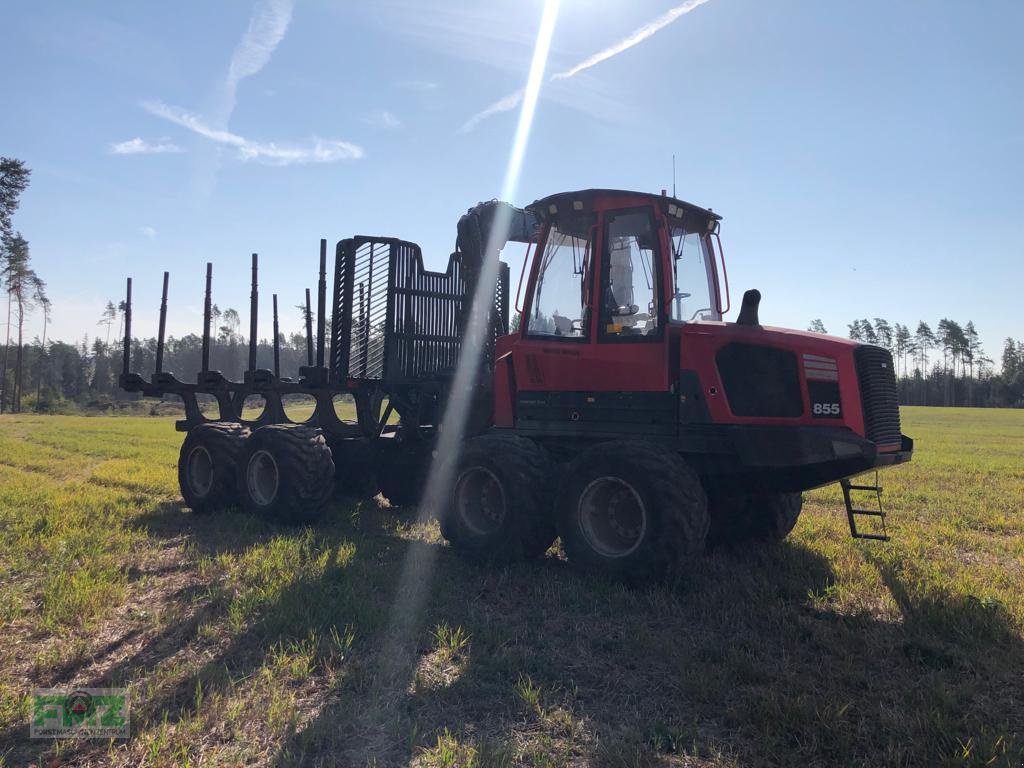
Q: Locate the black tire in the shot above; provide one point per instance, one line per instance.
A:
(286, 473)
(631, 511)
(207, 466)
(753, 517)
(499, 508)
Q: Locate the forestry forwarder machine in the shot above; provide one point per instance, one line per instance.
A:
(618, 411)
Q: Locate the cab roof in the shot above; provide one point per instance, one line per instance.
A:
(585, 199)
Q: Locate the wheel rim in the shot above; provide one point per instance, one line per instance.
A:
(480, 500)
(612, 517)
(200, 471)
(261, 478)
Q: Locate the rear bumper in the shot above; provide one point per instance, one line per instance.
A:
(797, 459)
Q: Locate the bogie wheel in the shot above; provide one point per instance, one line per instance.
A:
(286, 473)
(753, 517)
(207, 466)
(499, 507)
(631, 511)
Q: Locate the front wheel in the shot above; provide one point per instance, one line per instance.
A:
(631, 511)
(499, 508)
(286, 473)
(753, 517)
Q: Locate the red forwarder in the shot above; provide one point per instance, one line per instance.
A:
(620, 413)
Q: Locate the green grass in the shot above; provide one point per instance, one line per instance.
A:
(245, 643)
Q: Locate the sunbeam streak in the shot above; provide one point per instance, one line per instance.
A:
(397, 658)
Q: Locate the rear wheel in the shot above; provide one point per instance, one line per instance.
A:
(753, 517)
(286, 473)
(499, 508)
(207, 466)
(632, 511)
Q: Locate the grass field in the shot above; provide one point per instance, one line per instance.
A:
(244, 643)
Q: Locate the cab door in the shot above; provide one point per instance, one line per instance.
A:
(630, 336)
(592, 355)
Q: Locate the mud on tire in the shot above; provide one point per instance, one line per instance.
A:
(499, 506)
(207, 466)
(286, 473)
(631, 511)
(753, 517)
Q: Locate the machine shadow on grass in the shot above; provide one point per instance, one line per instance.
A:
(740, 661)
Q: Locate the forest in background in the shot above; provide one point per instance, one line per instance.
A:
(943, 366)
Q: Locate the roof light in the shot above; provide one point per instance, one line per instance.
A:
(552, 209)
(577, 205)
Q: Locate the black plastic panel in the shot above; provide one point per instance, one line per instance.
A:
(760, 381)
(589, 413)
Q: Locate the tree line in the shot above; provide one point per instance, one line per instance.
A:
(944, 366)
(44, 375)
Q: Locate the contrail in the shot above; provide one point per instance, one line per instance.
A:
(267, 28)
(505, 104)
(512, 100)
(638, 36)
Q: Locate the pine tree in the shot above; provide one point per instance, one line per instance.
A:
(14, 178)
(883, 333)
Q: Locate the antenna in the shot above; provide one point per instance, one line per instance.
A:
(673, 174)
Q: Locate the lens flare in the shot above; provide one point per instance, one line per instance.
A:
(398, 654)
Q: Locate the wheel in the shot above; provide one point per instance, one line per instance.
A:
(499, 507)
(631, 510)
(207, 466)
(286, 473)
(753, 517)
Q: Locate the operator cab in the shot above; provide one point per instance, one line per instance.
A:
(655, 264)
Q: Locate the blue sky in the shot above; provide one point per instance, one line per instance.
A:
(867, 156)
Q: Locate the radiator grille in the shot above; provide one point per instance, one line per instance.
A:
(877, 378)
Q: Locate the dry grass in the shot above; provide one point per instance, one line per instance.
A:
(244, 643)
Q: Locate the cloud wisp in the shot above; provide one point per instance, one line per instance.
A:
(512, 100)
(267, 27)
(381, 118)
(421, 86)
(139, 146)
(316, 150)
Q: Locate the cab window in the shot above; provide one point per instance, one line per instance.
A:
(629, 279)
(693, 295)
(558, 308)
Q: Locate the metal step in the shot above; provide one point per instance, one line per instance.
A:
(852, 512)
